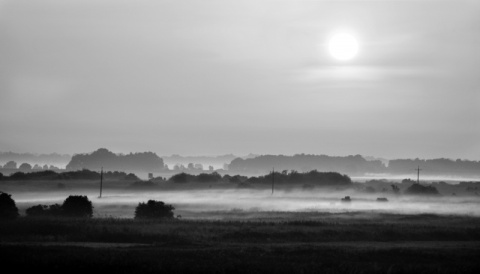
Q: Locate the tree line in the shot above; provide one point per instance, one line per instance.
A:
(354, 165)
(85, 174)
(78, 206)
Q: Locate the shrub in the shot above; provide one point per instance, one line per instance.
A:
(181, 178)
(44, 210)
(154, 210)
(418, 189)
(8, 208)
(208, 177)
(77, 206)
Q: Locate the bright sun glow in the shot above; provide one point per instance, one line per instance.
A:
(343, 46)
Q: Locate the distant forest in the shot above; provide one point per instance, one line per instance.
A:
(205, 161)
(53, 158)
(313, 178)
(50, 175)
(354, 165)
(146, 161)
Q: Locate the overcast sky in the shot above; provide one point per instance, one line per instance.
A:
(216, 77)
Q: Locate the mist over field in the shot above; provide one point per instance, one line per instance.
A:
(223, 204)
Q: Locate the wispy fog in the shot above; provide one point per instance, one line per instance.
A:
(223, 204)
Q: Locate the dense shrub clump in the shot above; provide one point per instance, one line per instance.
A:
(8, 208)
(154, 210)
(77, 206)
(418, 189)
(44, 210)
(73, 206)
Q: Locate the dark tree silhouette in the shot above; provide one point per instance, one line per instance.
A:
(84, 174)
(146, 161)
(37, 211)
(77, 206)
(44, 210)
(395, 189)
(181, 178)
(154, 210)
(352, 165)
(418, 189)
(314, 177)
(8, 208)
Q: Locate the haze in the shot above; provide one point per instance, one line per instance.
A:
(215, 77)
(246, 203)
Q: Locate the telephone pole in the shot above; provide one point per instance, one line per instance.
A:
(418, 174)
(273, 180)
(101, 182)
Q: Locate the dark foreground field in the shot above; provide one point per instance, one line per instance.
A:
(286, 242)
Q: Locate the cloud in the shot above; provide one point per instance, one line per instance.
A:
(361, 76)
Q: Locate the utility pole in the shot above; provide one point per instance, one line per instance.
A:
(418, 174)
(273, 180)
(101, 182)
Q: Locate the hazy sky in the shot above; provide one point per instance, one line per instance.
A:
(215, 77)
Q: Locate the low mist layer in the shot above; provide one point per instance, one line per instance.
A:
(245, 203)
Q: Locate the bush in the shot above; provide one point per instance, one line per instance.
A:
(77, 206)
(181, 178)
(73, 206)
(154, 210)
(8, 208)
(44, 210)
(418, 189)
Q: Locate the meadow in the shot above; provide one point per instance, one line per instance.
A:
(220, 229)
(285, 242)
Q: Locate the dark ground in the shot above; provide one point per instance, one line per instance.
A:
(355, 242)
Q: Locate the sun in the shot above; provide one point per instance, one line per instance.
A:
(343, 46)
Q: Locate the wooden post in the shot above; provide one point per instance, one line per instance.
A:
(101, 182)
(418, 174)
(273, 180)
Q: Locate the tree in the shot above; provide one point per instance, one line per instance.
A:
(37, 211)
(8, 208)
(77, 206)
(418, 189)
(181, 178)
(44, 210)
(154, 210)
(25, 166)
(10, 165)
(395, 189)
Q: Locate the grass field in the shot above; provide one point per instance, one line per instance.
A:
(224, 229)
(275, 242)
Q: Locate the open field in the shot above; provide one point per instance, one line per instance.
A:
(280, 242)
(224, 229)
(190, 202)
